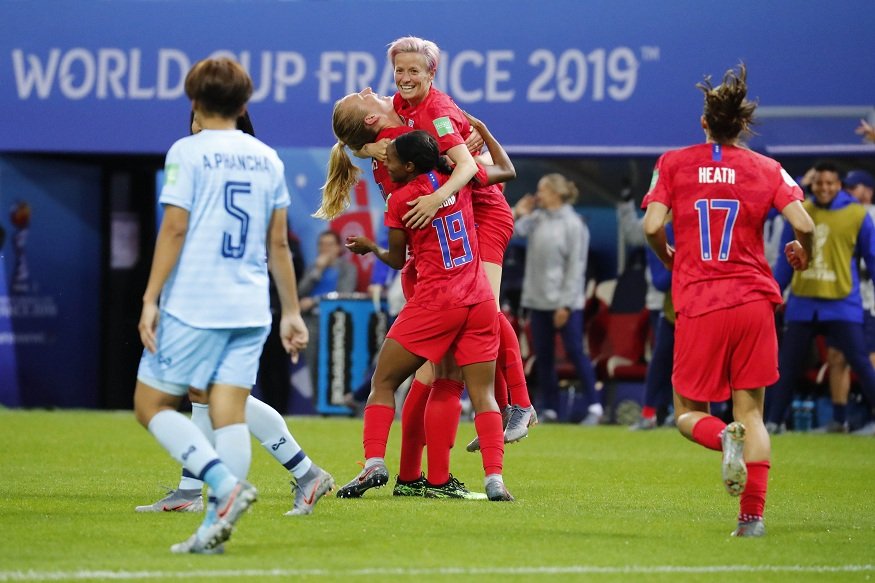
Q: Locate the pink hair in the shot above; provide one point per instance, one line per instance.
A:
(413, 44)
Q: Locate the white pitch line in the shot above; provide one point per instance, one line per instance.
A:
(469, 571)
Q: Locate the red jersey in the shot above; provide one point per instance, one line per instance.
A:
(720, 197)
(439, 115)
(448, 270)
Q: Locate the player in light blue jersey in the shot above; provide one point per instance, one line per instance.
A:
(224, 226)
(309, 482)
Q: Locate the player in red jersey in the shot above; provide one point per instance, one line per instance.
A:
(450, 311)
(358, 119)
(719, 194)
(421, 106)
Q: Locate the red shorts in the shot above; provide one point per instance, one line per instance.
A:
(494, 221)
(470, 332)
(735, 348)
(408, 279)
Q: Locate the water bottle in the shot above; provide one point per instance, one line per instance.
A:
(807, 415)
(796, 408)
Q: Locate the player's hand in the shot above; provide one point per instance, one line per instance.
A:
(294, 335)
(359, 245)
(866, 130)
(668, 260)
(525, 205)
(796, 255)
(475, 141)
(424, 209)
(377, 150)
(147, 326)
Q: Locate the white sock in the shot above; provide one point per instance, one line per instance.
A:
(270, 429)
(234, 448)
(182, 440)
(200, 416)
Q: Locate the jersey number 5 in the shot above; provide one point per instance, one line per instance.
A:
(704, 206)
(452, 228)
(230, 249)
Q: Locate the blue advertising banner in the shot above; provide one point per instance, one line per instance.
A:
(50, 259)
(559, 77)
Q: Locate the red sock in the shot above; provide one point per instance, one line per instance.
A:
(648, 412)
(509, 352)
(706, 432)
(501, 396)
(442, 413)
(488, 426)
(753, 499)
(378, 421)
(413, 431)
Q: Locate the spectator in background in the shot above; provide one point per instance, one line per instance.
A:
(330, 272)
(859, 184)
(657, 383)
(558, 242)
(826, 298)
(658, 380)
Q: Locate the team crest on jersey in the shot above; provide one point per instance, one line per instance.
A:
(410, 123)
(171, 173)
(443, 126)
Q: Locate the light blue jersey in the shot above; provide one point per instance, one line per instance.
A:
(230, 183)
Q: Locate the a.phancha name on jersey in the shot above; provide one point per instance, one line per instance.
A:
(236, 162)
(716, 175)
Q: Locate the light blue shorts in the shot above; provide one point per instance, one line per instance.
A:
(200, 357)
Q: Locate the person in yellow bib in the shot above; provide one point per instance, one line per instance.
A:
(825, 299)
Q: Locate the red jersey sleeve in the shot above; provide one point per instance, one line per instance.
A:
(443, 119)
(659, 185)
(394, 210)
(787, 191)
(481, 177)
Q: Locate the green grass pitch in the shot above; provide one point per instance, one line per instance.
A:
(594, 504)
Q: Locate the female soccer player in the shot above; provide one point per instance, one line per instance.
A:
(225, 202)
(451, 310)
(719, 194)
(421, 106)
(309, 481)
(360, 118)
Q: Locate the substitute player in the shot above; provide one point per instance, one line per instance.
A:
(719, 194)
(451, 310)
(225, 202)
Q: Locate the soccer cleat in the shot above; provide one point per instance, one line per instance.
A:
(734, 468)
(413, 488)
(228, 511)
(195, 546)
(309, 489)
(750, 528)
(177, 501)
(643, 424)
(452, 489)
(372, 477)
(518, 423)
(496, 491)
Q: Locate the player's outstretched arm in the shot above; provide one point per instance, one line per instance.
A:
(502, 169)
(394, 256)
(799, 251)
